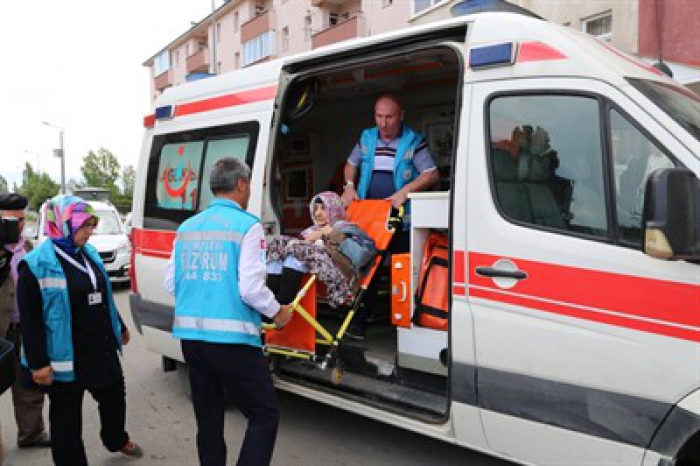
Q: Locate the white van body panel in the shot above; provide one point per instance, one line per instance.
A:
(490, 336)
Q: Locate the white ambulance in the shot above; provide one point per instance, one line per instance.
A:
(569, 193)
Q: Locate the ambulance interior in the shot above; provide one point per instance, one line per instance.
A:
(400, 362)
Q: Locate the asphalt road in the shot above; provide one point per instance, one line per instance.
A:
(161, 420)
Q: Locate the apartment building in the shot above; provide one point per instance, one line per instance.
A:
(242, 33)
(650, 29)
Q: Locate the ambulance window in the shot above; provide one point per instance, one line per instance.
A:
(176, 185)
(179, 166)
(546, 162)
(635, 158)
(236, 147)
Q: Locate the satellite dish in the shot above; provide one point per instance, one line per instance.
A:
(469, 7)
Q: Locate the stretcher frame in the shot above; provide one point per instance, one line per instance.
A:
(324, 337)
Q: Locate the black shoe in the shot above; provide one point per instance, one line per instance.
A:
(131, 449)
(41, 441)
(355, 332)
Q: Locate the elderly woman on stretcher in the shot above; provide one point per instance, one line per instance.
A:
(333, 249)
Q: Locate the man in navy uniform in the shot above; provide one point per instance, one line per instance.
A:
(217, 273)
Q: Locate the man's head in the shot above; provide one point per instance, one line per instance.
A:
(13, 206)
(388, 116)
(230, 178)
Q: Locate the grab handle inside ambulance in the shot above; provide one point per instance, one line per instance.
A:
(492, 272)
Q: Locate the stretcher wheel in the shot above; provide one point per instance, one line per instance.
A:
(336, 375)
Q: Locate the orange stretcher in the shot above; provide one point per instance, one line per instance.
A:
(304, 336)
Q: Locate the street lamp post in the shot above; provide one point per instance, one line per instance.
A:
(60, 153)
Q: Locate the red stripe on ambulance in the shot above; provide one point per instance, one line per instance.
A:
(153, 243)
(657, 306)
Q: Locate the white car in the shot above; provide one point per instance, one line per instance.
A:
(109, 238)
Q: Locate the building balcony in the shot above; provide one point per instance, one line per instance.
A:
(349, 29)
(163, 80)
(320, 3)
(257, 26)
(199, 62)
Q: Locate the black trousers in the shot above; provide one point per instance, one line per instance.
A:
(66, 420)
(242, 372)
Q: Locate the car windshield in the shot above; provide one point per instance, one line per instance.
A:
(678, 102)
(109, 223)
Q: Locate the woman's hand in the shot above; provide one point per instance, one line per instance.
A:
(43, 376)
(313, 236)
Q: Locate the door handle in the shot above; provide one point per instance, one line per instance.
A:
(493, 272)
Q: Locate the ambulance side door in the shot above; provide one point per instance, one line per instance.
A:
(583, 343)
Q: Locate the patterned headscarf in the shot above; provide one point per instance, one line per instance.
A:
(335, 211)
(63, 216)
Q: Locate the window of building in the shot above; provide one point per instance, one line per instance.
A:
(236, 23)
(635, 158)
(176, 58)
(599, 26)
(421, 5)
(258, 48)
(284, 39)
(332, 19)
(547, 162)
(161, 62)
(186, 159)
(387, 3)
(259, 9)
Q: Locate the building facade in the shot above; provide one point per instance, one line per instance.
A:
(242, 33)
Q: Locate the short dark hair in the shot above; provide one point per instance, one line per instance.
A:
(225, 174)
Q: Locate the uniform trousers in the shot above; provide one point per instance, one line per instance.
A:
(66, 420)
(241, 372)
(28, 402)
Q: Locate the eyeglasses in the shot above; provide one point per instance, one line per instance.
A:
(89, 226)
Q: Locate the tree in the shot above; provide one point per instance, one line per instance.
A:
(128, 181)
(3, 185)
(101, 170)
(37, 187)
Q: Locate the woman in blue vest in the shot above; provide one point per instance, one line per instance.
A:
(72, 333)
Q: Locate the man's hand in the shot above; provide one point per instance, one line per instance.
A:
(43, 376)
(398, 198)
(349, 195)
(283, 316)
(126, 337)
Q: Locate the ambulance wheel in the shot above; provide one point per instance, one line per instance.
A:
(336, 375)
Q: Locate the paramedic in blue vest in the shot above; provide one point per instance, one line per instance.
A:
(72, 333)
(393, 161)
(217, 273)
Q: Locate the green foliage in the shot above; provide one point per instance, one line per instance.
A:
(38, 187)
(101, 170)
(128, 181)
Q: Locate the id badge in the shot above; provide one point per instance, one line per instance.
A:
(95, 298)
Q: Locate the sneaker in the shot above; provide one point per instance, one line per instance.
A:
(42, 441)
(355, 332)
(131, 449)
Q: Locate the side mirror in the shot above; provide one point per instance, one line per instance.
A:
(672, 215)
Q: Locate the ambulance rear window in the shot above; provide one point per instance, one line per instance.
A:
(179, 166)
(677, 102)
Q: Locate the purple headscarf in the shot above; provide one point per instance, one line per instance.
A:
(335, 211)
(63, 216)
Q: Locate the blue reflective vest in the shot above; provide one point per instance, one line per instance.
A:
(208, 304)
(404, 171)
(47, 269)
